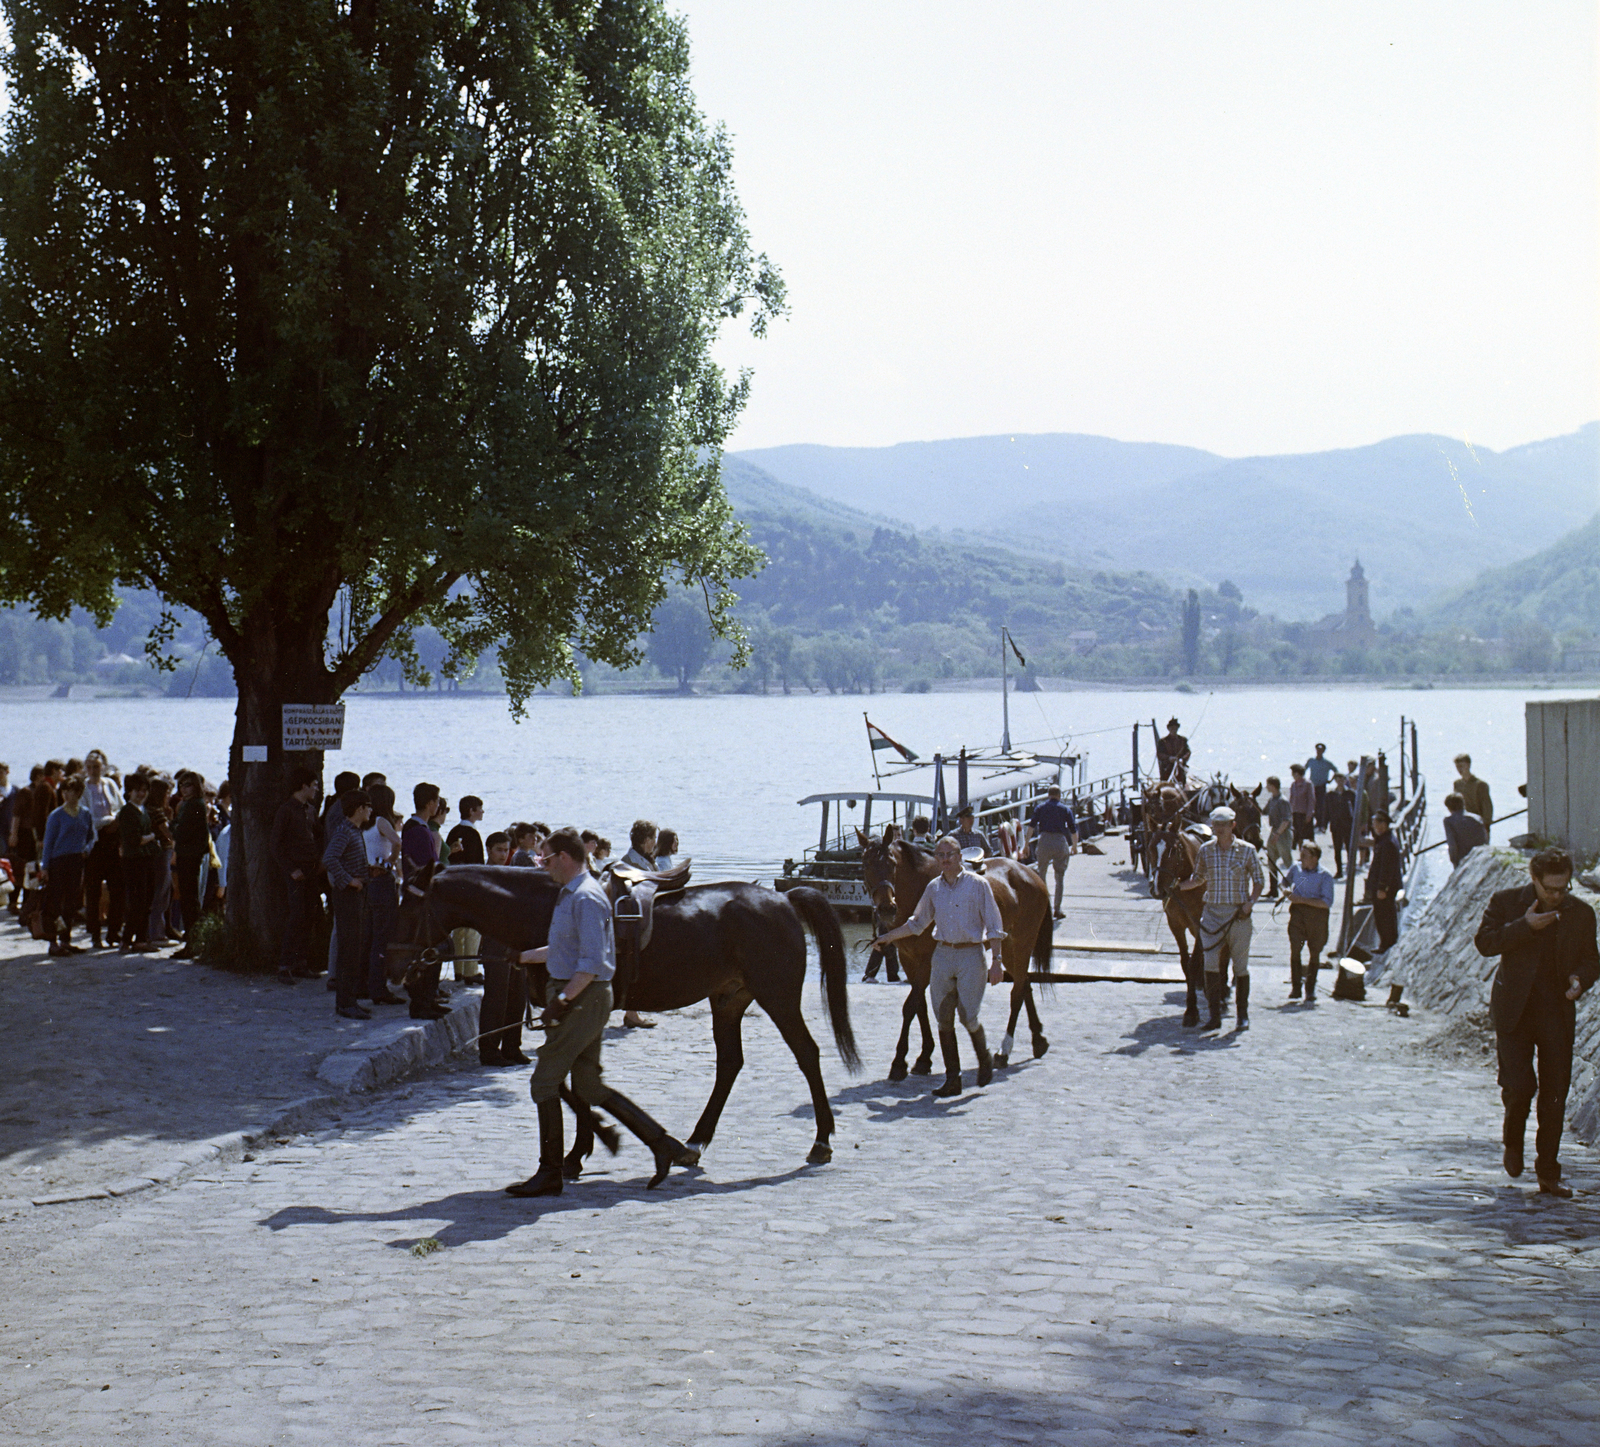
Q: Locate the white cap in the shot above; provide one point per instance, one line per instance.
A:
(1222, 814)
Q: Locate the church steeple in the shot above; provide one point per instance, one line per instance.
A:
(1357, 612)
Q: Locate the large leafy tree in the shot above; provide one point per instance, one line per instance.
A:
(388, 311)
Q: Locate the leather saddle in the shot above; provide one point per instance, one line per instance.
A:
(633, 894)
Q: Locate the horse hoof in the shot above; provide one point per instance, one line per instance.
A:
(1040, 1045)
(924, 1066)
(572, 1167)
(897, 1071)
(1001, 1061)
(1191, 1018)
(819, 1155)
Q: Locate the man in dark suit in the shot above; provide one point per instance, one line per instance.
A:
(1548, 957)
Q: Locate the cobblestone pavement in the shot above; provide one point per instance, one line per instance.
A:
(1299, 1235)
(116, 1063)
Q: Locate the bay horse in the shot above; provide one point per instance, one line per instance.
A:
(1246, 814)
(1178, 850)
(1163, 805)
(734, 944)
(896, 873)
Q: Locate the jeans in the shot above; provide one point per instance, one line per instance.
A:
(62, 892)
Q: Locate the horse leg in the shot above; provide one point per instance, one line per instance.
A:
(1003, 1056)
(792, 1026)
(727, 1015)
(1035, 1024)
(588, 1126)
(908, 1010)
(924, 1061)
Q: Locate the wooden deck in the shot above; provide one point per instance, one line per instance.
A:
(1115, 930)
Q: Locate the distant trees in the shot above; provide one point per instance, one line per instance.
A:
(680, 639)
(1530, 645)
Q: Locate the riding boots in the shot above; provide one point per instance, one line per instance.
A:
(1214, 1000)
(1514, 1134)
(952, 1064)
(1311, 984)
(1242, 998)
(547, 1180)
(667, 1150)
(1294, 979)
(985, 1060)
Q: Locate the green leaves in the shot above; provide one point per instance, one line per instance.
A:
(408, 306)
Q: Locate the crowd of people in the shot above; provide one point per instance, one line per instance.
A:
(138, 859)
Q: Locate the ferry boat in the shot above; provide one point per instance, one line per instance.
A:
(1001, 788)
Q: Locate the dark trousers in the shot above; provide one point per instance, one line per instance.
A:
(348, 907)
(1319, 793)
(1308, 930)
(138, 883)
(186, 881)
(383, 909)
(62, 892)
(1546, 1030)
(104, 871)
(1300, 829)
(1341, 842)
(1386, 922)
(295, 942)
(505, 1002)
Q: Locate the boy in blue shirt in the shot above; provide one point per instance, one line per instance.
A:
(1310, 892)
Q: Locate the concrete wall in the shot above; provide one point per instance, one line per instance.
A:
(1445, 972)
(1564, 772)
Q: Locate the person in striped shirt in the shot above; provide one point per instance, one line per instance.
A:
(1230, 873)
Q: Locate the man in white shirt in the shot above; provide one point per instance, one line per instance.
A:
(102, 875)
(960, 906)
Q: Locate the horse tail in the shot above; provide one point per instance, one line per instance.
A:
(1044, 946)
(814, 909)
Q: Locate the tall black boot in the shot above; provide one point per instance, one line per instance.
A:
(952, 1064)
(667, 1150)
(1311, 984)
(1241, 988)
(1214, 1000)
(547, 1180)
(1294, 979)
(985, 1060)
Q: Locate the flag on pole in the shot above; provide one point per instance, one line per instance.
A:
(880, 740)
(1023, 662)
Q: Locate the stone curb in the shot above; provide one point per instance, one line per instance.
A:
(364, 1065)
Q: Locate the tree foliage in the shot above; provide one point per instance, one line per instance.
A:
(304, 305)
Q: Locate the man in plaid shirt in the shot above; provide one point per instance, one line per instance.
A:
(1230, 873)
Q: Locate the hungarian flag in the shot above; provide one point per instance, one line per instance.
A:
(880, 740)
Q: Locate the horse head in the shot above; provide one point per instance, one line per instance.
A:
(1173, 861)
(878, 871)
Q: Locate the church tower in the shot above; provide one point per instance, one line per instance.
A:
(1357, 609)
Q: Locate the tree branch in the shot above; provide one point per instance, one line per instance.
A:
(358, 659)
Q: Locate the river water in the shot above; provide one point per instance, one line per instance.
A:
(725, 771)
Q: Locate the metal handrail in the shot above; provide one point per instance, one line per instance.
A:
(1409, 830)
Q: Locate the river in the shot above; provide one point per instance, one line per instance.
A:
(725, 771)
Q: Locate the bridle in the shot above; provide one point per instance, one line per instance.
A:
(873, 858)
(417, 954)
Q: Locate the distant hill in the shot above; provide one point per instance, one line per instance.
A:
(833, 568)
(1560, 587)
(1424, 513)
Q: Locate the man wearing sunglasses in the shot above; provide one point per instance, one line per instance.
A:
(1548, 957)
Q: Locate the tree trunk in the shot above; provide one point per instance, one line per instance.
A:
(284, 665)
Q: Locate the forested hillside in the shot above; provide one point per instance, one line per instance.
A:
(1559, 587)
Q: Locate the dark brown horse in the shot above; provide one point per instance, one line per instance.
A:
(896, 874)
(1246, 814)
(734, 944)
(1177, 850)
(1164, 805)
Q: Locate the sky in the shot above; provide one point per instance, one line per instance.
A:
(1252, 228)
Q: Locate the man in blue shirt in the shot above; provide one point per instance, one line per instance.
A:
(580, 960)
(1320, 771)
(1310, 891)
(1055, 834)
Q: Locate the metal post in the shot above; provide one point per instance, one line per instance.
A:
(1383, 782)
(1402, 761)
(1005, 709)
(1416, 771)
(1136, 758)
(822, 839)
(961, 776)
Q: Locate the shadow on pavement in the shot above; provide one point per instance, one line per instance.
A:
(913, 1097)
(1169, 1031)
(493, 1215)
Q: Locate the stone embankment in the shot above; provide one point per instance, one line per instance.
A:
(1444, 971)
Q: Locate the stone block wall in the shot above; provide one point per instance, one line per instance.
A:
(1444, 971)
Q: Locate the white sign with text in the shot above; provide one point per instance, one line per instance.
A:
(313, 726)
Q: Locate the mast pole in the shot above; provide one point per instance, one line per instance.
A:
(1005, 699)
